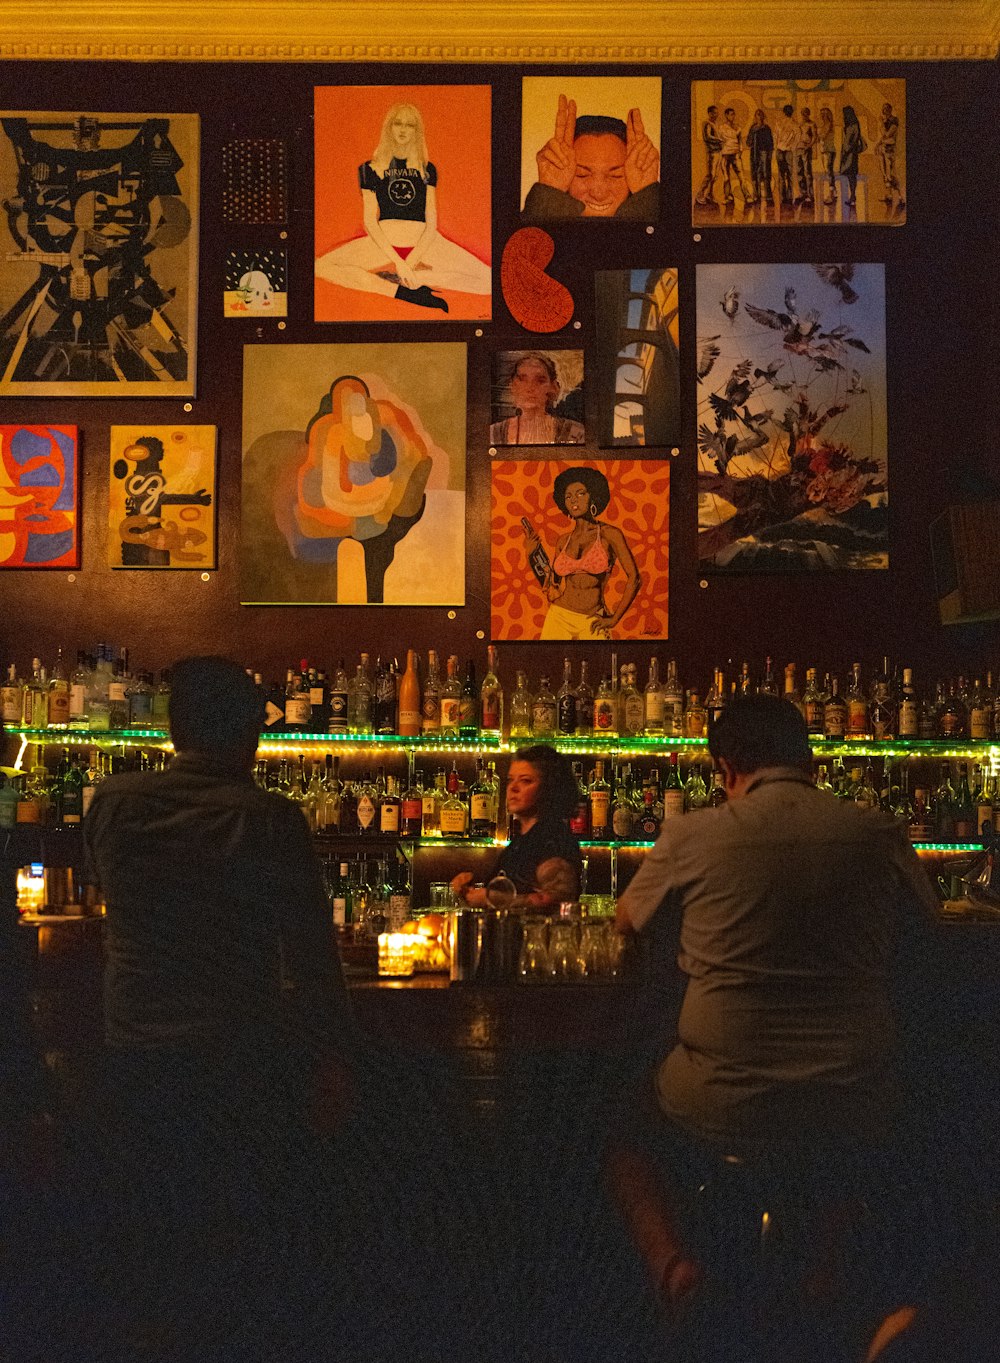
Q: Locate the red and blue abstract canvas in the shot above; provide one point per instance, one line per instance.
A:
(39, 497)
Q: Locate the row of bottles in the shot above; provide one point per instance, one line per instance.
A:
(60, 796)
(949, 807)
(100, 694)
(369, 895)
(433, 701)
(380, 804)
(625, 805)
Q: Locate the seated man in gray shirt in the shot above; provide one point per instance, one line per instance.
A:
(792, 904)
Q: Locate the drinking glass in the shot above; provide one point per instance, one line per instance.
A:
(534, 966)
(564, 956)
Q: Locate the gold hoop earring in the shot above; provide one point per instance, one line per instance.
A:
(593, 509)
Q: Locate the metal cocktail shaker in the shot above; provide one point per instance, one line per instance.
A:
(465, 929)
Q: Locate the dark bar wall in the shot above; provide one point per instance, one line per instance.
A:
(941, 323)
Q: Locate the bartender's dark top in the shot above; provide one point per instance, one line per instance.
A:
(218, 925)
(524, 854)
(792, 905)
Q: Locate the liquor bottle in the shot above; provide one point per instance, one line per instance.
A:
(623, 811)
(982, 799)
(744, 685)
(944, 806)
(11, 698)
(117, 697)
(649, 821)
(58, 698)
(883, 716)
(814, 706)
(340, 897)
(769, 684)
(835, 713)
(858, 725)
(980, 712)
(544, 711)
(695, 717)
(673, 791)
(521, 705)
(384, 699)
(454, 815)
(717, 795)
(319, 702)
(329, 817)
(964, 809)
(600, 803)
(579, 820)
(566, 701)
(901, 807)
(823, 781)
(584, 704)
(400, 895)
(79, 684)
(695, 790)
(633, 709)
(468, 724)
(69, 792)
(411, 813)
(491, 697)
(481, 821)
(359, 699)
(653, 700)
(673, 703)
(409, 698)
(367, 809)
(605, 711)
(297, 710)
(909, 709)
(140, 701)
(927, 719)
(715, 700)
(389, 809)
(791, 691)
(92, 778)
(451, 699)
(538, 558)
(922, 821)
(338, 700)
(430, 703)
(864, 791)
(313, 801)
(952, 716)
(35, 697)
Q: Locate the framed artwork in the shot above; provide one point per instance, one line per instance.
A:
(792, 468)
(354, 474)
(786, 152)
(39, 497)
(580, 550)
(161, 503)
(537, 397)
(638, 359)
(254, 181)
(256, 283)
(98, 294)
(402, 197)
(590, 148)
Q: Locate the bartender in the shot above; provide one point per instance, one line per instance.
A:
(543, 858)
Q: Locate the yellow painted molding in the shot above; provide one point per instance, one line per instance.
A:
(522, 31)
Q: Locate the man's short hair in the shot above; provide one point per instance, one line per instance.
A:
(595, 125)
(760, 731)
(214, 706)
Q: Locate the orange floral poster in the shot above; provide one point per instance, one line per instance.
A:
(580, 551)
(403, 196)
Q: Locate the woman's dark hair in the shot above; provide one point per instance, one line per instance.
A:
(558, 795)
(760, 731)
(592, 479)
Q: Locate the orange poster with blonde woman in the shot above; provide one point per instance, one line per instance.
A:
(580, 550)
(403, 189)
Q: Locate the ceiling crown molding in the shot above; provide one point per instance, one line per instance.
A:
(584, 31)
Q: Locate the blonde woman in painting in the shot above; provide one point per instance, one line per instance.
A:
(584, 560)
(403, 254)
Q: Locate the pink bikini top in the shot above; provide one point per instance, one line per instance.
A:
(594, 559)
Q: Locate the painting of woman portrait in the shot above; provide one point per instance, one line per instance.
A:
(579, 551)
(401, 246)
(537, 395)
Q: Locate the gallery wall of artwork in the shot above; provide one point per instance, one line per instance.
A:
(353, 358)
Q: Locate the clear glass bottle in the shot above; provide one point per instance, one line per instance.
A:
(140, 701)
(695, 717)
(367, 811)
(79, 684)
(430, 703)
(338, 700)
(605, 710)
(653, 700)
(623, 811)
(468, 725)
(584, 704)
(633, 709)
(451, 699)
(359, 699)
(769, 683)
(544, 711)
(695, 789)
(491, 697)
(566, 701)
(717, 795)
(980, 712)
(791, 691)
(521, 706)
(715, 701)
(298, 712)
(411, 812)
(673, 703)
(12, 698)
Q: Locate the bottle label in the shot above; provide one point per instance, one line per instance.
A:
(567, 714)
(834, 721)
(10, 704)
(273, 714)
(58, 707)
(338, 712)
(116, 691)
(451, 712)
(544, 717)
(980, 722)
(141, 709)
(315, 695)
(339, 910)
(635, 716)
(599, 811)
(297, 710)
(673, 803)
(951, 724)
(491, 713)
(409, 721)
(908, 720)
(453, 820)
(388, 821)
(579, 823)
(621, 821)
(480, 807)
(649, 825)
(654, 710)
(412, 810)
(604, 717)
(399, 911)
(77, 701)
(857, 717)
(366, 812)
